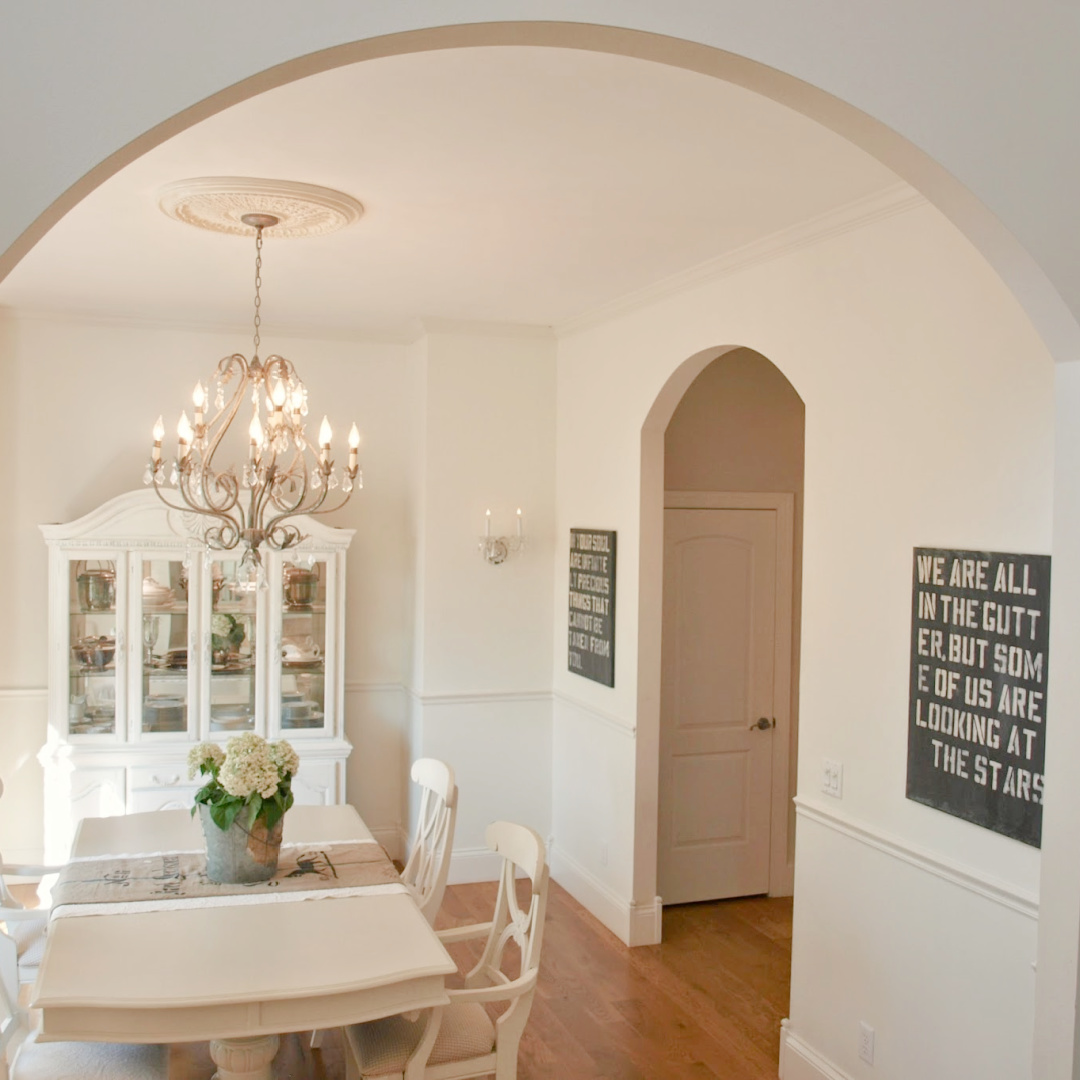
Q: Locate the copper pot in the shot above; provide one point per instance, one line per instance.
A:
(96, 589)
(301, 586)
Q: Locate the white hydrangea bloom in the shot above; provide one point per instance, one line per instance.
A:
(285, 757)
(204, 753)
(248, 767)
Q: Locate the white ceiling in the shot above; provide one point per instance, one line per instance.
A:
(521, 185)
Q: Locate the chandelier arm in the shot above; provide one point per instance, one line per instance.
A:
(222, 422)
(221, 531)
(275, 522)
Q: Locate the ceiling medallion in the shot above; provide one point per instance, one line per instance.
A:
(220, 203)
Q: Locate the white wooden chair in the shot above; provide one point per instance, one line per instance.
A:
(25, 926)
(428, 865)
(33, 1060)
(459, 1040)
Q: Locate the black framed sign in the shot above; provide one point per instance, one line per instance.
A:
(979, 640)
(591, 625)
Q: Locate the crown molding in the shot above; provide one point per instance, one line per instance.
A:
(893, 200)
(480, 328)
(404, 334)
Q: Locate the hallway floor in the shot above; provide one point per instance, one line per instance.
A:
(705, 1003)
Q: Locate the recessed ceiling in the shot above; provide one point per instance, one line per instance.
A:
(511, 184)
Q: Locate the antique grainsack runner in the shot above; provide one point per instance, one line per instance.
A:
(167, 880)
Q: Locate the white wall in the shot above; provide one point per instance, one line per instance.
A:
(929, 421)
(81, 399)
(480, 690)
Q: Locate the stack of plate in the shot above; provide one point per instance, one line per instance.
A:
(300, 713)
(231, 717)
(164, 714)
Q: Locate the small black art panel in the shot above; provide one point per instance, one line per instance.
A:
(979, 636)
(591, 620)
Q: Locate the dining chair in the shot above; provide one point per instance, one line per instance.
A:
(25, 926)
(35, 1060)
(428, 865)
(460, 1040)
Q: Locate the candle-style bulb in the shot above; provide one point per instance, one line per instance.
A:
(198, 396)
(183, 428)
(354, 437)
(159, 430)
(325, 433)
(255, 430)
(278, 394)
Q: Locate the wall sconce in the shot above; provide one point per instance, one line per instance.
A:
(497, 549)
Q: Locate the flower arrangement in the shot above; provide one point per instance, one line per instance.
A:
(250, 775)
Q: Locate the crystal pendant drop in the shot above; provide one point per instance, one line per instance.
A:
(148, 476)
(332, 480)
(316, 480)
(346, 484)
(174, 475)
(359, 480)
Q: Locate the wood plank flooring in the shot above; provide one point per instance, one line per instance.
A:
(706, 1003)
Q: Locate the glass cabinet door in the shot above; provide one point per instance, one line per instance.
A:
(94, 649)
(163, 622)
(303, 606)
(232, 645)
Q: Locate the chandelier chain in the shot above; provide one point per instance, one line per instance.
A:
(258, 287)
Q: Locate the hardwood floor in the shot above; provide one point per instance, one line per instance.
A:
(705, 1003)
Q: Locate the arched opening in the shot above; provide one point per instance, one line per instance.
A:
(723, 448)
(646, 800)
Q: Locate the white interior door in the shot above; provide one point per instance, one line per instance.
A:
(718, 657)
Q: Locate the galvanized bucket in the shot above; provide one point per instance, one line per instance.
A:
(237, 856)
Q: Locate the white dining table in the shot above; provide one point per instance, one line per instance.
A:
(236, 976)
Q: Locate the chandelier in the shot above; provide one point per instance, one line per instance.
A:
(285, 474)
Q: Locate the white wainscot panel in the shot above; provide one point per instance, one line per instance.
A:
(938, 960)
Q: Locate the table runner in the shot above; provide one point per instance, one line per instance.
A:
(167, 880)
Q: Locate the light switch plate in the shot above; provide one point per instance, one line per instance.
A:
(832, 778)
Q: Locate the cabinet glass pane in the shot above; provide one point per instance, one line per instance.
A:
(232, 649)
(92, 640)
(303, 646)
(164, 645)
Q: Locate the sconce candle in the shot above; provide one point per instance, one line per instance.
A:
(497, 549)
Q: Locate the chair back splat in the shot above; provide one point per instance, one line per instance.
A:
(459, 1041)
(428, 864)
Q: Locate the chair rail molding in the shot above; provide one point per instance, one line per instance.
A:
(956, 873)
(598, 716)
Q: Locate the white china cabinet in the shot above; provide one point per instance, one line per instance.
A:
(157, 642)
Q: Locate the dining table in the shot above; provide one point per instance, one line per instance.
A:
(234, 975)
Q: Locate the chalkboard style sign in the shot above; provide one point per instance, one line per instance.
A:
(979, 636)
(591, 636)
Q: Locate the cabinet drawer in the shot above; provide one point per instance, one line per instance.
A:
(172, 775)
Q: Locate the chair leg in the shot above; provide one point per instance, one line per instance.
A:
(316, 1039)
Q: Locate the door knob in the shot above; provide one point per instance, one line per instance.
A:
(763, 724)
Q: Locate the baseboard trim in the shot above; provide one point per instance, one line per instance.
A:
(474, 864)
(632, 924)
(798, 1061)
(391, 838)
(940, 866)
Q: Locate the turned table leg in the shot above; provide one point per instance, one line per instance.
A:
(244, 1059)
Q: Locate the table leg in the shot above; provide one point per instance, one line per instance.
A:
(244, 1059)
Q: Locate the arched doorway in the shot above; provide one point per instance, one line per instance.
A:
(733, 480)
